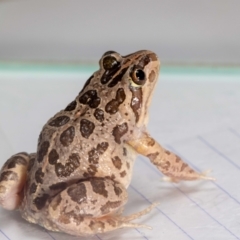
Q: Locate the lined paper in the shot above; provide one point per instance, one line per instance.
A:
(195, 116)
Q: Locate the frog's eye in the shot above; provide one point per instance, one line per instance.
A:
(138, 76)
(110, 62)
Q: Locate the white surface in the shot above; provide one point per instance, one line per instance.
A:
(197, 117)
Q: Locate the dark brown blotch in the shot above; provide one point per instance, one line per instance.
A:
(184, 165)
(113, 105)
(109, 206)
(136, 101)
(123, 174)
(102, 147)
(124, 152)
(150, 142)
(67, 136)
(117, 162)
(67, 217)
(98, 187)
(111, 222)
(94, 154)
(117, 78)
(78, 193)
(120, 96)
(53, 157)
(167, 152)
(97, 226)
(92, 170)
(178, 159)
(39, 176)
(71, 165)
(118, 191)
(108, 74)
(33, 188)
(90, 98)
(99, 114)
(71, 106)
(41, 201)
(43, 149)
(58, 186)
(16, 160)
(86, 128)
(8, 176)
(119, 131)
(165, 165)
(153, 156)
(59, 121)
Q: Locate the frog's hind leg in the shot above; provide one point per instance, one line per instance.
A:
(12, 180)
(92, 206)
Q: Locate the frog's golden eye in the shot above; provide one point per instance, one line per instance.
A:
(138, 76)
(110, 62)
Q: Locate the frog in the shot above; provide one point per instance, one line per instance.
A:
(77, 180)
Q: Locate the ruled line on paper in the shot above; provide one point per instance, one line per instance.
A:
(4, 235)
(144, 197)
(222, 190)
(234, 132)
(98, 237)
(218, 152)
(141, 234)
(208, 214)
(49, 234)
(196, 168)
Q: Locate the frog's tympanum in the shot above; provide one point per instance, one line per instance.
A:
(77, 180)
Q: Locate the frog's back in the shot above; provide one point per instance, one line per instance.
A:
(87, 138)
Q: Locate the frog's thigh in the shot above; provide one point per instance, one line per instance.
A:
(12, 179)
(88, 207)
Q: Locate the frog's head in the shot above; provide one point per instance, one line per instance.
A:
(130, 80)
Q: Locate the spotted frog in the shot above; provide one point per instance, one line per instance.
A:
(77, 180)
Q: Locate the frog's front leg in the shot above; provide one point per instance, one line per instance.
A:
(167, 162)
(92, 206)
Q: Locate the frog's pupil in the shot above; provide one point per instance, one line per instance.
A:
(140, 75)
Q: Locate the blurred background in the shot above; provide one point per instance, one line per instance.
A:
(181, 32)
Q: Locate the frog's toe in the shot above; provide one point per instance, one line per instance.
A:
(125, 221)
(204, 174)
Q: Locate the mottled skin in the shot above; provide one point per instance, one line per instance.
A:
(77, 180)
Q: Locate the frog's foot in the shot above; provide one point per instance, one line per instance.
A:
(194, 176)
(175, 168)
(92, 206)
(12, 180)
(125, 221)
